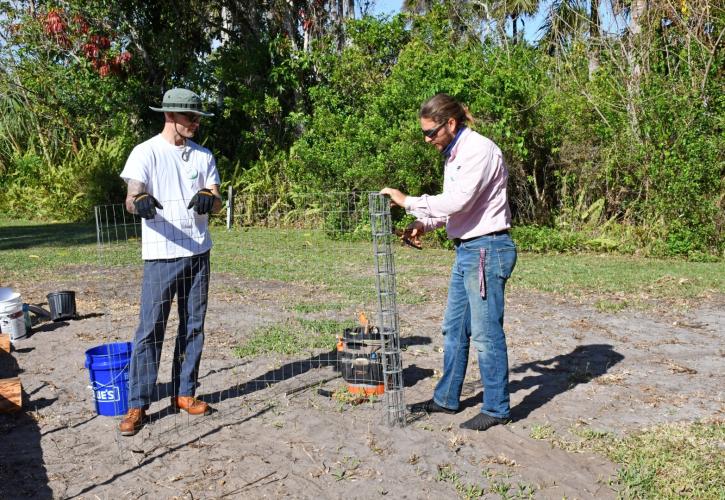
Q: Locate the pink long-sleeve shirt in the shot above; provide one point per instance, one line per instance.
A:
(474, 200)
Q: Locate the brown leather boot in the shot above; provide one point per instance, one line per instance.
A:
(132, 422)
(190, 405)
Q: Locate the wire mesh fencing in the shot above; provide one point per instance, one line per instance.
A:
(388, 320)
(297, 295)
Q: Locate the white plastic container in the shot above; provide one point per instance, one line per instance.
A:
(12, 319)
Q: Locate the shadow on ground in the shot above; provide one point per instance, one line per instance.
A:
(61, 235)
(411, 375)
(22, 469)
(162, 452)
(555, 376)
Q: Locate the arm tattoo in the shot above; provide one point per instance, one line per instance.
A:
(134, 188)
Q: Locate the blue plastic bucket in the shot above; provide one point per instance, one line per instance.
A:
(108, 368)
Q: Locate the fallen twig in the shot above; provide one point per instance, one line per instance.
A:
(255, 482)
(311, 384)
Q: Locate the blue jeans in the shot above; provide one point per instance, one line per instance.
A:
(471, 318)
(187, 278)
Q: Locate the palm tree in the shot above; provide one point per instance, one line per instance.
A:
(567, 20)
(515, 10)
(570, 19)
(501, 10)
(417, 6)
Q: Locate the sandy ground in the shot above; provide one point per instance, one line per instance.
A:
(571, 365)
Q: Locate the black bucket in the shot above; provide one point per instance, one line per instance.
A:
(62, 305)
(359, 359)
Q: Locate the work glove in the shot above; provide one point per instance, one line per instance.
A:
(203, 201)
(146, 205)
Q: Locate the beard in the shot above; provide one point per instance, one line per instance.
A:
(445, 139)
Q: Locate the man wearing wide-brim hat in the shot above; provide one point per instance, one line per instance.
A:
(173, 185)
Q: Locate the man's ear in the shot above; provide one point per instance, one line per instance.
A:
(452, 125)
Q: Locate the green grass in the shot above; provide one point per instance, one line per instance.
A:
(293, 337)
(340, 267)
(469, 491)
(640, 278)
(345, 268)
(541, 431)
(314, 307)
(683, 460)
(33, 251)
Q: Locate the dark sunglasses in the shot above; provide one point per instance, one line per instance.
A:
(431, 133)
(192, 117)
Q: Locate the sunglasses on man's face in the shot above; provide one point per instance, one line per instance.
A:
(192, 117)
(432, 132)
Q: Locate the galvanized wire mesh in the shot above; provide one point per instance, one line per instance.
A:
(114, 225)
(382, 235)
(288, 277)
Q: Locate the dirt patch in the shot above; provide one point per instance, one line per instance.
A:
(570, 365)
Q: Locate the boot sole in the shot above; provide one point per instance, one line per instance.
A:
(422, 408)
(135, 431)
(137, 428)
(176, 409)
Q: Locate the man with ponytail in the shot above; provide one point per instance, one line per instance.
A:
(474, 209)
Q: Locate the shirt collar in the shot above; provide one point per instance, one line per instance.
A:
(448, 149)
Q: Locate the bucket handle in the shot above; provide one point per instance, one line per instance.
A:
(113, 381)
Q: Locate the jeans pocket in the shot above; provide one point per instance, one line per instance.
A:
(506, 261)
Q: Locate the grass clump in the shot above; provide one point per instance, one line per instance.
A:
(672, 461)
(293, 337)
(316, 307)
(541, 431)
(469, 491)
(680, 460)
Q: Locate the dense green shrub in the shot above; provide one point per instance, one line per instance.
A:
(69, 190)
(629, 157)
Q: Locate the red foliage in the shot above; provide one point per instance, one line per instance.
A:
(81, 24)
(90, 50)
(102, 41)
(54, 23)
(121, 59)
(55, 27)
(63, 40)
(94, 49)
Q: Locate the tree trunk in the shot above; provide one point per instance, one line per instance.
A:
(338, 23)
(594, 37)
(636, 11)
(226, 19)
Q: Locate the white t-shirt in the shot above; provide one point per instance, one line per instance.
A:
(175, 231)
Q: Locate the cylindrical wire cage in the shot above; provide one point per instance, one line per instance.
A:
(382, 235)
